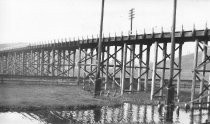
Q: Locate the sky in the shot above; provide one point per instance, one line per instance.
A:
(36, 21)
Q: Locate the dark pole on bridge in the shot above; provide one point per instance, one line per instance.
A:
(170, 87)
(131, 16)
(98, 81)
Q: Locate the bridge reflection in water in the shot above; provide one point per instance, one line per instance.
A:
(127, 113)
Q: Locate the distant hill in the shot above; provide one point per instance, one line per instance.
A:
(12, 45)
(4, 45)
(187, 64)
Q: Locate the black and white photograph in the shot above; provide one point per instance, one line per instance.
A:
(104, 62)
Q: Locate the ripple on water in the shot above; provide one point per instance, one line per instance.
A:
(126, 113)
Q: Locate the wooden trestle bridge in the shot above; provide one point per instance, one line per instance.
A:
(123, 57)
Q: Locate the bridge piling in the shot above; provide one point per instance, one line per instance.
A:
(121, 66)
(204, 53)
(132, 60)
(139, 87)
(147, 67)
(85, 65)
(53, 62)
(154, 71)
(164, 56)
(78, 66)
(124, 67)
(179, 70)
(107, 67)
(194, 72)
(48, 62)
(114, 66)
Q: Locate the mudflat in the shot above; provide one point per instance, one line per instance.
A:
(39, 96)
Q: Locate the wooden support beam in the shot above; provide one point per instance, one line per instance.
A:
(208, 98)
(147, 68)
(114, 66)
(194, 72)
(107, 67)
(69, 63)
(64, 62)
(140, 67)
(179, 75)
(1, 63)
(121, 66)
(23, 63)
(203, 68)
(32, 62)
(6, 63)
(85, 62)
(164, 55)
(38, 63)
(124, 67)
(74, 62)
(154, 69)
(78, 66)
(42, 62)
(132, 52)
(59, 71)
(15, 63)
(53, 63)
(102, 62)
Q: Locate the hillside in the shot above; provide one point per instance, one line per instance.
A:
(12, 45)
(187, 64)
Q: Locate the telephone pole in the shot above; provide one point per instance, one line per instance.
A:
(170, 87)
(131, 17)
(98, 81)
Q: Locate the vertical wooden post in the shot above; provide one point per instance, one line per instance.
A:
(91, 60)
(180, 67)
(1, 60)
(37, 61)
(64, 63)
(6, 64)
(124, 67)
(121, 72)
(102, 60)
(208, 98)
(59, 63)
(42, 62)
(132, 67)
(107, 68)
(147, 68)
(78, 66)
(15, 63)
(194, 72)
(154, 70)
(170, 87)
(53, 62)
(23, 63)
(1, 63)
(70, 66)
(140, 67)
(114, 67)
(204, 53)
(85, 64)
(48, 62)
(74, 61)
(98, 80)
(164, 67)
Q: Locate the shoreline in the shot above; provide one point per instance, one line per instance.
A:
(15, 97)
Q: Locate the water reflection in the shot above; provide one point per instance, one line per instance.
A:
(127, 113)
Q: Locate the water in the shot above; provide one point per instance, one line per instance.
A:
(126, 113)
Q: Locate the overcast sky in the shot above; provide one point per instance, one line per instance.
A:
(43, 20)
